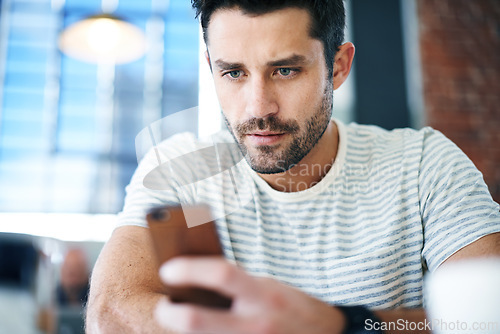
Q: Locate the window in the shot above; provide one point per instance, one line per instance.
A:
(67, 128)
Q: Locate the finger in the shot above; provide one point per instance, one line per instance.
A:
(213, 273)
(188, 318)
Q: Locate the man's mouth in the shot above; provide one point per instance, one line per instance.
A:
(265, 137)
(265, 133)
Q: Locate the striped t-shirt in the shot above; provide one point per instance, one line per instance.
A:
(393, 204)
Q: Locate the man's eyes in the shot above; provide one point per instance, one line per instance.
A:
(282, 71)
(234, 74)
(285, 71)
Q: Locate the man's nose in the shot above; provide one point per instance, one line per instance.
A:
(261, 98)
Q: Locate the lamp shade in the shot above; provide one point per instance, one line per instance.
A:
(103, 39)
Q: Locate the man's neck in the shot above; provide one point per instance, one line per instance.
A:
(312, 168)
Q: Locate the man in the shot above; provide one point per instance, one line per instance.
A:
(74, 285)
(317, 216)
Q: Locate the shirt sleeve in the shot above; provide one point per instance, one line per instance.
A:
(456, 206)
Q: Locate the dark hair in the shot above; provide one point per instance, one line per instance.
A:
(328, 18)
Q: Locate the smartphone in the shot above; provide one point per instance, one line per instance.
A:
(174, 235)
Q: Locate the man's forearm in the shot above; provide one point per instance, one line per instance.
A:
(125, 287)
(132, 314)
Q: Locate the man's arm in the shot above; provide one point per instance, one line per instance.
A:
(125, 287)
(486, 246)
(125, 290)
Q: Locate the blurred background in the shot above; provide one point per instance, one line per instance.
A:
(71, 106)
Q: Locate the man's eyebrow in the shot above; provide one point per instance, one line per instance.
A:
(289, 61)
(221, 64)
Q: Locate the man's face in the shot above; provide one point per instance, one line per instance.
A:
(271, 81)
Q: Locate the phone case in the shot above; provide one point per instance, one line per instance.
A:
(172, 237)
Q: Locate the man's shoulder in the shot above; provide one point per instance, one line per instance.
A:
(376, 136)
(370, 143)
(375, 131)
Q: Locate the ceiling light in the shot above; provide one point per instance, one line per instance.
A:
(103, 39)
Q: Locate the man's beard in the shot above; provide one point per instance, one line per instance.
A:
(272, 160)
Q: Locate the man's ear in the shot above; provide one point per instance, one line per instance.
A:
(207, 57)
(342, 64)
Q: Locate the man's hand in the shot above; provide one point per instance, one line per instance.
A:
(260, 305)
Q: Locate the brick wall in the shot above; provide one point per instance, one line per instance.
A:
(460, 52)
